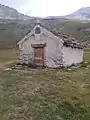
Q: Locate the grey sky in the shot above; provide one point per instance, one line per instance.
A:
(46, 7)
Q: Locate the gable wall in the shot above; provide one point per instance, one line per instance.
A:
(52, 51)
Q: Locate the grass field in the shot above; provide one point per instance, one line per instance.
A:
(48, 94)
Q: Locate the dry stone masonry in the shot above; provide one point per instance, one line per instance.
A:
(44, 48)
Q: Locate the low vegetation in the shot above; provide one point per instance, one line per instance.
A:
(48, 94)
(12, 31)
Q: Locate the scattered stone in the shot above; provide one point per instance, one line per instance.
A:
(88, 66)
(18, 65)
(1, 86)
(69, 69)
(59, 118)
(86, 62)
(8, 69)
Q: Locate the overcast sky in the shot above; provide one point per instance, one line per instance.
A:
(42, 8)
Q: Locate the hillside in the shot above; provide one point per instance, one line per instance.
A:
(10, 13)
(81, 14)
(12, 31)
(7, 12)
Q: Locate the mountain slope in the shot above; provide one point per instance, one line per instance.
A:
(55, 17)
(82, 14)
(10, 13)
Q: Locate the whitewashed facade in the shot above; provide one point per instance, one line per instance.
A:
(56, 51)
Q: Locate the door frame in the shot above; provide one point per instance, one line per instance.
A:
(39, 46)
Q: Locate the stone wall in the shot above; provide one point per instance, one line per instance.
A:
(55, 53)
(52, 51)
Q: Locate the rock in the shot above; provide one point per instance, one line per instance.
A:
(88, 66)
(8, 69)
(18, 65)
(69, 69)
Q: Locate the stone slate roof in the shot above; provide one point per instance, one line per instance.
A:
(69, 41)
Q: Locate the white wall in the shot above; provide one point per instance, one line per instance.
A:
(72, 56)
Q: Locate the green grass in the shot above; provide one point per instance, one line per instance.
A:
(48, 94)
(87, 55)
(12, 32)
(7, 55)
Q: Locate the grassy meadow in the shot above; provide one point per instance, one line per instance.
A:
(48, 94)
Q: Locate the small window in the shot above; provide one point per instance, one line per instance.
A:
(37, 30)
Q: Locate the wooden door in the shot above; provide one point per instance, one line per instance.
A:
(39, 56)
